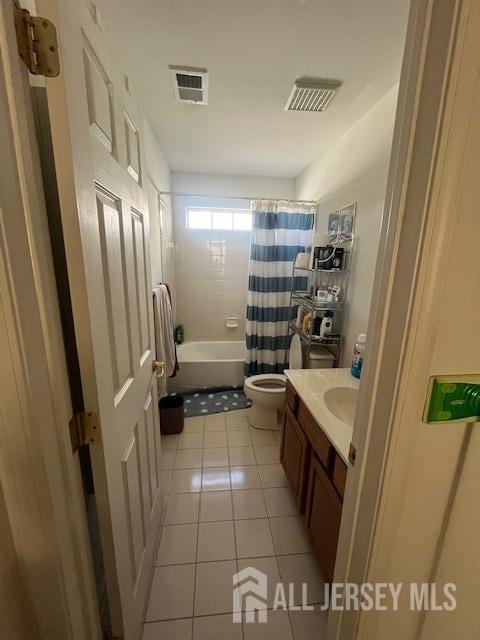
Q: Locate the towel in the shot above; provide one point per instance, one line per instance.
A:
(164, 330)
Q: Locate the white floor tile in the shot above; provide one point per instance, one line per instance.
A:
(262, 438)
(168, 630)
(217, 479)
(186, 480)
(244, 477)
(169, 442)
(233, 415)
(241, 456)
(215, 541)
(302, 569)
(237, 423)
(167, 459)
(253, 538)
(212, 423)
(178, 544)
(309, 625)
(239, 438)
(269, 567)
(215, 457)
(171, 593)
(182, 508)
(165, 481)
(194, 425)
(280, 502)
(190, 441)
(216, 505)
(215, 439)
(188, 459)
(272, 475)
(248, 503)
(277, 627)
(289, 535)
(213, 588)
(216, 628)
(267, 455)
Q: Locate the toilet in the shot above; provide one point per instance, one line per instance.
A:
(267, 393)
(267, 390)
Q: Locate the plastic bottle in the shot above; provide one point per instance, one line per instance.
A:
(179, 334)
(327, 324)
(357, 358)
(306, 323)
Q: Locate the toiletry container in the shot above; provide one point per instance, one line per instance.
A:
(306, 323)
(357, 358)
(326, 326)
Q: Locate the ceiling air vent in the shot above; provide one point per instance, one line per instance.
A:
(312, 94)
(190, 84)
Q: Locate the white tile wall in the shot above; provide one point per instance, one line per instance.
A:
(211, 271)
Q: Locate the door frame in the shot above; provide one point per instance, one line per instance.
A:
(425, 164)
(39, 474)
(33, 331)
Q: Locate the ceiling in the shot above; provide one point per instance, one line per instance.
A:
(254, 50)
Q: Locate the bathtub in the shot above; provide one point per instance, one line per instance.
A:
(209, 364)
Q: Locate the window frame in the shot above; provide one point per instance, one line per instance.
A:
(232, 211)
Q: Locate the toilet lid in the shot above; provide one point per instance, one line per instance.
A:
(295, 356)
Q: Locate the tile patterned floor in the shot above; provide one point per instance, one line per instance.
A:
(228, 506)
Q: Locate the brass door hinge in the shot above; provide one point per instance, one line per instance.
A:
(37, 43)
(352, 455)
(84, 429)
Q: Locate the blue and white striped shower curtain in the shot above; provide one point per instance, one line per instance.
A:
(280, 230)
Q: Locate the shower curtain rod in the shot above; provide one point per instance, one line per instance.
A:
(205, 195)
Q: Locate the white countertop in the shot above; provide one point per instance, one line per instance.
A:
(311, 384)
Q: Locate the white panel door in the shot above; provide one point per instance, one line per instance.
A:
(97, 139)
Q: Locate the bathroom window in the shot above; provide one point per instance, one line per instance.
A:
(219, 219)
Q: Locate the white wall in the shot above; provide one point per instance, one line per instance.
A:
(157, 178)
(355, 169)
(231, 185)
(212, 266)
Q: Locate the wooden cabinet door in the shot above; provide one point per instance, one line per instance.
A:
(323, 515)
(295, 451)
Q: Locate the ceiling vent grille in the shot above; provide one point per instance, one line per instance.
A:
(312, 94)
(190, 84)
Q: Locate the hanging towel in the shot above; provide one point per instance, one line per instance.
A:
(164, 330)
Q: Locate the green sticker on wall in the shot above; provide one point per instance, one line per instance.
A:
(453, 399)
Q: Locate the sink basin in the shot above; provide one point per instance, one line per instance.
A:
(342, 402)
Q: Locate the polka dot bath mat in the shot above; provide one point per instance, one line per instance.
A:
(204, 402)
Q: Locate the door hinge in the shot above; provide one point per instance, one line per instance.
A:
(84, 429)
(352, 455)
(37, 43)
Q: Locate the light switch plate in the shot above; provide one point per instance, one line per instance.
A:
(453, 399)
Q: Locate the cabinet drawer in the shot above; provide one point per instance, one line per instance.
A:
(319, 441)
(291, 397)
(339, 475)
(295, 455)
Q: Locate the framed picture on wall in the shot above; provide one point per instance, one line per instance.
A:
(347, 221)
(333, 224)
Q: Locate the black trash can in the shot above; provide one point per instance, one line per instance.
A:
(171, 414)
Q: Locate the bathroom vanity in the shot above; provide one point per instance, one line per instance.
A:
(318, 425)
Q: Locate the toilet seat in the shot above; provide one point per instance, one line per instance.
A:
(271, 383)
(295, 355)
